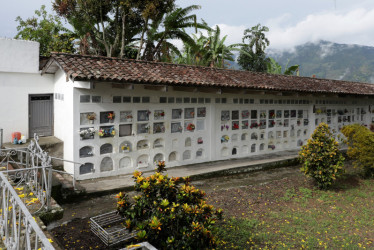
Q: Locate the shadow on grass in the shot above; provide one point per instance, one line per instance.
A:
(346, 182)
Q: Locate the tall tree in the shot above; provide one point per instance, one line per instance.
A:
(106, 26)
(151, 10)
(48, 30)
(111, 27)
(253, 57)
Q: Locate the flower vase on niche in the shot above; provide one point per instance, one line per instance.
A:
(91, 118)
(111, 117)
(191, 127)
(125, 148)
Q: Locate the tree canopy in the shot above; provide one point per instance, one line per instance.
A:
(146, 30)
(253, 57)
(48, 30)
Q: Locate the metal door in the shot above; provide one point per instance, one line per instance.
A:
(41, 115)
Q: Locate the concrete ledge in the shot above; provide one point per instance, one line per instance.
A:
(248, 168)
(107, 185)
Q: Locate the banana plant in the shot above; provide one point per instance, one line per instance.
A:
(274, 67)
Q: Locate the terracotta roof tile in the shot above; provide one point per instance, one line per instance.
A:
(83, 68)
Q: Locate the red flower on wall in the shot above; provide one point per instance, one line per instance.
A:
(190, 127)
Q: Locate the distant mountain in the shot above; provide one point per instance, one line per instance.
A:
(331, 60)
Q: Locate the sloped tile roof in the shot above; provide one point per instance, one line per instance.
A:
(83, 68)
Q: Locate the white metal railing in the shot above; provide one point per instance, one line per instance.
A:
(18, 228)
(28, 169)
(33, 170)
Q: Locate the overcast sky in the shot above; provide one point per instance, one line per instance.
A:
(291, 22)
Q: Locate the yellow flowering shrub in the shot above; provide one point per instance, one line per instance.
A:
(169, 212)
(360, 142)
(321, 158)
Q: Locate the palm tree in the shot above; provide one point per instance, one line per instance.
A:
(208, 50)
(257, 42)
(174, 24)
(257, 39)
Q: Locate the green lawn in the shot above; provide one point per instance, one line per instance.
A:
(292, 214)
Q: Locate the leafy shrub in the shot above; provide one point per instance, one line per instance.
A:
(360, 142)
(321, 157)
(169, 212)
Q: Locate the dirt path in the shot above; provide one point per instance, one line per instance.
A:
(89, 207)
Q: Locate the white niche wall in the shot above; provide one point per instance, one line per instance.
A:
(284, 127)
(173, 145)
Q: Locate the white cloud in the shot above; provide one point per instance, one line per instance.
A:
(353, 27)
(327, 50)
(234, 33)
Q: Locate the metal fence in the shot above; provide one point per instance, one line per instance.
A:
(18, 228)
(30, 167)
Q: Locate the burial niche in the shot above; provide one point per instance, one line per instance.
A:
(106, 164)
(86, 168)
(86, 151)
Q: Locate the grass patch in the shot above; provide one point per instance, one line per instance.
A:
(234, 233)
(303, 216)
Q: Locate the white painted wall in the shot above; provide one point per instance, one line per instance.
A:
(15, 89)
(19, 78)
(64, 110)
(19, 56)
(212, 133)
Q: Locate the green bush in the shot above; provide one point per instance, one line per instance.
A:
(321, 158)
(169, 212)
(360, 142)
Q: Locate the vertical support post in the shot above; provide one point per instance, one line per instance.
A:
(49, 188)
(27, 159)
(1, 138)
